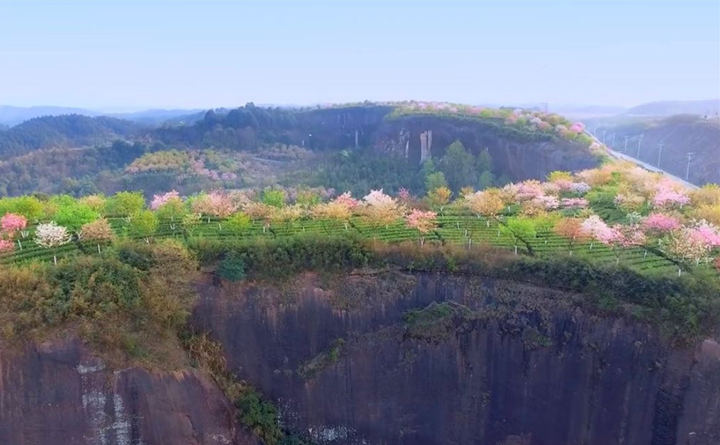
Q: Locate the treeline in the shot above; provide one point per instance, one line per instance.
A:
(63, 131)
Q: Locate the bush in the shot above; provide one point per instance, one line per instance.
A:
(232, 268)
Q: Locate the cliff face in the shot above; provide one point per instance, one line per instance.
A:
(482, 361)
(58, 393)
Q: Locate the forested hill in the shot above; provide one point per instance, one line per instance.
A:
(72, 130)
(354, 147)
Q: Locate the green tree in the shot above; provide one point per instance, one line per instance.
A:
(435, 181)
(74, 215)
(125, 204)
(238, 223)
(143, 224)
(274, 197)
(459, 167)
(521, 230)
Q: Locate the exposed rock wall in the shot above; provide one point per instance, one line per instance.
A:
(58, 393)
(508, 363)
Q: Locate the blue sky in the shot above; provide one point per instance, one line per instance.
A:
(134, 54)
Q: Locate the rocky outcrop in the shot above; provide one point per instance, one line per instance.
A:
(58, 393)
(436, 359)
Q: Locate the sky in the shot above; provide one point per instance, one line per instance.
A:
(125, 55)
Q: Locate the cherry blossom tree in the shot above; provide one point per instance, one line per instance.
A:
(11, 224)
(572, 230)
(424, 222)
(667, 194)
(98, 231)
(50, 236)
(6, 246)
(660, 223)
(162, 199)
(486, 203)
(380, 209)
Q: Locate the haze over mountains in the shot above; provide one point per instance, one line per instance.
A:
(13, 115)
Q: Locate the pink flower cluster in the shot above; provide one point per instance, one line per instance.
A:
(528, 190)
(422, 221)
(577, 127)
(706, 234)
(574, 203)
(660, 223)
(160, 200)
(403, 194)
(546, 201)
(6, 246)
(596, 228)
(347, 200)
(666, 195)
(11, 223)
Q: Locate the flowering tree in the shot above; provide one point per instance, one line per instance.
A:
(439, 197)
(422, 221)
(528, 190)
(160, 200)
(668, 195)
(404, 195)
(487, 203)
(260, 211)
(6, 246)
(572, 230)
(660, 223)
(216, 203)
(685, 246)
(597, 229)
(346, 200)
(50, 236)
(98, 231)
(380, 209)
(11, 224)
(574, 203)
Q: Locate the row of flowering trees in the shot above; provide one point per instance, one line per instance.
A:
(617, 205)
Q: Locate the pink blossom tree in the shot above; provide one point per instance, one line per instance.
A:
(162, 199)
(424, 222)
(6, 246)
(660, 223)
(11, 224)
(667, 194)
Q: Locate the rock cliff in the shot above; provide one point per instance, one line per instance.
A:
(437, 359)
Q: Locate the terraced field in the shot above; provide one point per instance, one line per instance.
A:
(453, 228)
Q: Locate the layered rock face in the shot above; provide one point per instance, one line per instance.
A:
(58, 393)
(435, 359)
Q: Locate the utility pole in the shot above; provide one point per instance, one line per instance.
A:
(638, 147)
(687, 170)
(661, 145)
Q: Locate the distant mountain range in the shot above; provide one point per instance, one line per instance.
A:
(11, 115)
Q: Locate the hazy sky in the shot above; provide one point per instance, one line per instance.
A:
(207, 53)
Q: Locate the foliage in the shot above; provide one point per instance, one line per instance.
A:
(439, 196)
(143, 224)
(238, 223)
(124, 204)
(74, 215)
(274, 198)
(232, 267)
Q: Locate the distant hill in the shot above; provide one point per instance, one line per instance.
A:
(65, 131)
(666, 142)
(10, 115)
(160, 116)
(668, 108)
